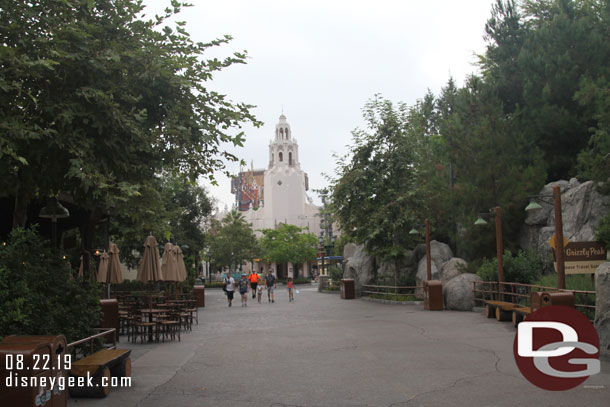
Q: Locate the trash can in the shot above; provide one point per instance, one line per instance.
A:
(110, 316)
(199, 294)
(41, 361)
(347, 289)
(541, 299)
(433, 295)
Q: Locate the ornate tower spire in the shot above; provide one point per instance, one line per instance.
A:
(283, 150)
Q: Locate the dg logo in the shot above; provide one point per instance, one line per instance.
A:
(556, 348)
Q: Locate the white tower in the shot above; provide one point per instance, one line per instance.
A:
(285, 182)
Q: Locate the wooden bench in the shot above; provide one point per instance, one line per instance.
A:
(499, 309)
(519, 313)
(104, 363)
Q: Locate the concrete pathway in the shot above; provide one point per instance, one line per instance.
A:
(324, 351)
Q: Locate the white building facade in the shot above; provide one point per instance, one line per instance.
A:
(282, 197)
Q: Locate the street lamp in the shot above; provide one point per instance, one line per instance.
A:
(326, 239)
(54, 210)
(428, 260)
(561, 276)
(480, 222)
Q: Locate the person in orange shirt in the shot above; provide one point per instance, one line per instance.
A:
(253, 278)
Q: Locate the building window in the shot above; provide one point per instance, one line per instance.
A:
(280, 157)
(272, 158)
(282, 135)
(289, 158)
(287, 134)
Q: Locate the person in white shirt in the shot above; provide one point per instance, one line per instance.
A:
(229, 287)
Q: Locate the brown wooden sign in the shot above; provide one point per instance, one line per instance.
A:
(583, 257)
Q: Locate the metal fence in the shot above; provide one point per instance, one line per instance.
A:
(520, 294)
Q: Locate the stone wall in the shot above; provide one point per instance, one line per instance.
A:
(602, 307)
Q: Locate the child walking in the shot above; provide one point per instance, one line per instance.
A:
(259, 292)
(290, 285)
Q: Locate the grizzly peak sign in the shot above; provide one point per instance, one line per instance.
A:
(583, 257)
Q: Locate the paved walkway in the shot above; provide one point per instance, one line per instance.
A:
(324, 351)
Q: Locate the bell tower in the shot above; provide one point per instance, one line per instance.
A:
(283, 150)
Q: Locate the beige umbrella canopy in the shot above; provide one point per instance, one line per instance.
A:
(102, 269)
(180, 262)
(114, 272)
(149, 269)
(150, 266)
(169, 264)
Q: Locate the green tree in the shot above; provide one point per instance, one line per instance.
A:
(288, 244)
(171, 208)
(95, 102)
(232, 242)
(374, 192)
(39, 293)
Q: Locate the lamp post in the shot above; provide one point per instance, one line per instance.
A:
(479, 222)
(559, 249)
(54, 210)
(326, 238)
(428, 259)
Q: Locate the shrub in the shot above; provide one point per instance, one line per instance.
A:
(602, 234)
(335, 273)
(38, 296)
(394, 297)
(524, 267)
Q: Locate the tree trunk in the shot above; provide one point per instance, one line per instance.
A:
(22, 201)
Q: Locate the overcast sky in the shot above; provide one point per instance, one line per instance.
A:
(320, 61)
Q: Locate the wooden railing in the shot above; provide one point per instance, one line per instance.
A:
(397, 293)
(104, 333)
(517, 293)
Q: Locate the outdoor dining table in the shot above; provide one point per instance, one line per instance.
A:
(151, 313)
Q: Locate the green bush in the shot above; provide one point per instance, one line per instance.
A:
(573, 282)
(38, 295)
(394, 297)
(129, 286)
(602, 234)
(335, 273)
(524, 267)
(302, 280)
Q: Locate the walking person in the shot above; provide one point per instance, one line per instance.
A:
(270, 282)
(259, 292)
(290, 286)
(254, 278)
(229, 287)
(243, 290)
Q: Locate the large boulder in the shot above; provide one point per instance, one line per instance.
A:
(602, 307)
(361, 267)
(422, 275)
(349, 250)
(458, 292)
(386, 270)
(582, 211)
(440, 252)
(452, 268)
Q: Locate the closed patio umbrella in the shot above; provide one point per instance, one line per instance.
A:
(114, 274)
(169, 264)
(149, 269)
(180, 263)
(102, 269)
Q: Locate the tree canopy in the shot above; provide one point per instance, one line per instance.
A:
(537, 112)
(288, 244)
(232, 241)
(96, 101)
